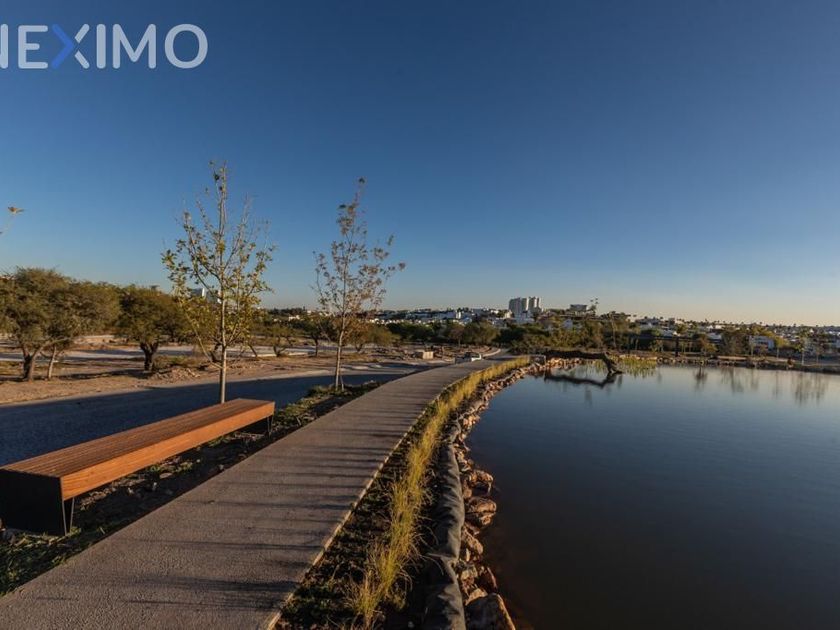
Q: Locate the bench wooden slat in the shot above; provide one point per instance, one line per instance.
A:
(80, 456)
(83, 467)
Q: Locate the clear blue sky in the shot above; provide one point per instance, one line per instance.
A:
(666, 157)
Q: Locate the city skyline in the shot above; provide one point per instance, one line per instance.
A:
(664, 159)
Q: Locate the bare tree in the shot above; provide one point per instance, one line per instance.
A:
(350, 280)
(223, 257)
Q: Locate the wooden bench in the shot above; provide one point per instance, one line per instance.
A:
(37, 494)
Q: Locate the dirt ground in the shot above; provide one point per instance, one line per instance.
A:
(87, 375)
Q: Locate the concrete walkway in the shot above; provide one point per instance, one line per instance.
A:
(229, 553)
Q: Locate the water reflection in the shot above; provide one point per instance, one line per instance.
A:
(810, 386)
(563, 377)
(802, 387)
(700, 378)
(688, 497)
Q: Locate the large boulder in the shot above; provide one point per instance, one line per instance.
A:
(488, 613)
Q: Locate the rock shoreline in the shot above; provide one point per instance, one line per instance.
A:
(484, 607)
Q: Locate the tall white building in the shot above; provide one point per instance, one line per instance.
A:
(522, 307)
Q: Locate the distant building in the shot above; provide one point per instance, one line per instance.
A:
(524, 308)
(762, 341)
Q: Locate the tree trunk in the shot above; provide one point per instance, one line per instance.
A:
(223, 376)
(53, 359)
(609, 362)
(317, 346)
(339, 386)
(29, 367)
(149, 353)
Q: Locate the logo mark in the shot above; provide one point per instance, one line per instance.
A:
(29, 46)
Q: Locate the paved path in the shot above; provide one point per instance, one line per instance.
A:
(229, 553)
(36, 427)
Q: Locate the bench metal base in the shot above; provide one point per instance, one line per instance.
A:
(34, 503)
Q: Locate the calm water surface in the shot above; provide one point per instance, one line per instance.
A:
(681, 499)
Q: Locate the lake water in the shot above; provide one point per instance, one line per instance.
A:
(680, 499)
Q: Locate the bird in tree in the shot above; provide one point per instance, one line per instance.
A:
(13, 211)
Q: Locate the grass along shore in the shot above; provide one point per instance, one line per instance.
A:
(365, 570)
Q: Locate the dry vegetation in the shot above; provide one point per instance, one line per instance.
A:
(366, 568)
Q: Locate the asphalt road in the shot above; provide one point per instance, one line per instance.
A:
(29, 429)
(230, 552)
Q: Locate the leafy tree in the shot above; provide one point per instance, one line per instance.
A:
(150, 318)
(525, 338)
(350, 281)
(359, 336)
(222, 255)
(315, 327)
(370, 333)
(28, 296)
(84, 307)
(45, 311)
(380, 336)
(802, 342)
(704, 345)
(734, 341)
(480, 333)
(590, 334)
(453, 333)
(277, 333)
(410, 331)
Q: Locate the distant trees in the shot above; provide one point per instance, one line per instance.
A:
(525, 338)
(802, 343)
(734, 342)
(591, 334)
(150, 318)
(276, 332)
(350, 280)
(27, 312)
(703, 344)
(314, 327)
(453, 333)
(411, 331)
(221, 254)
(380, 336)
(370, 333)
(44, 312)
(479, 333)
